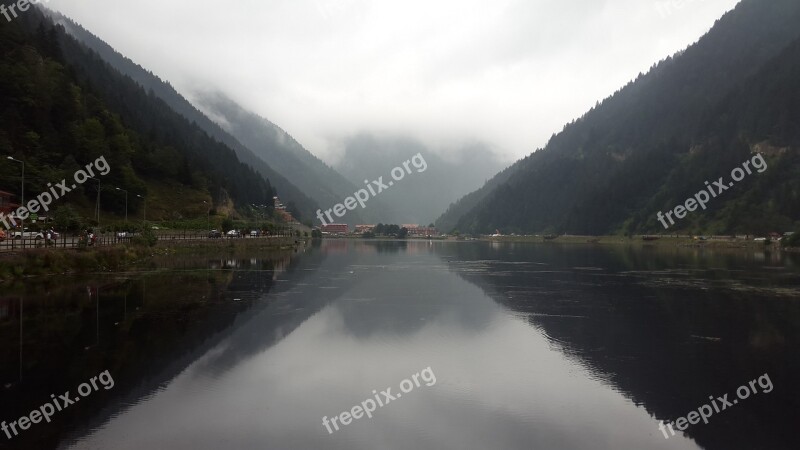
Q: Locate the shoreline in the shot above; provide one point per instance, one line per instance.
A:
(659, 241)
(71, 261)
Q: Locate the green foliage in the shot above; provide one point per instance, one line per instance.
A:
(66, 219)
(63, 107)
(145, 238)
(227, 224)
(792, 241)
(390, 230)
(403, 233)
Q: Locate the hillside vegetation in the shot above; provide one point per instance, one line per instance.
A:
(61, 106)
(693, 118)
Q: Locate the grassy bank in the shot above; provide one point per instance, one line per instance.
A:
(38, 262)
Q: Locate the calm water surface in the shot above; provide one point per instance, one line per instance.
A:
(528, 346)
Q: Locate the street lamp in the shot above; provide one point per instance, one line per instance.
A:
(145, 207)
(126, 204)
(97, 204)
(22, 194)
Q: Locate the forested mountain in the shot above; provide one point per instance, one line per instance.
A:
(59, 115)
(272, 144)
(693, 118)
(448, 221)
(285, 183)
(421, 197)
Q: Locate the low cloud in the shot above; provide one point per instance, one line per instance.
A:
(508, 73)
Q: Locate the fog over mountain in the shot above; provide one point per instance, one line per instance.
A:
(421, 196)
(508, 73)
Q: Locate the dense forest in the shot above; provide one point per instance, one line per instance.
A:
(57, 116)
(653, 144)
(299, 203)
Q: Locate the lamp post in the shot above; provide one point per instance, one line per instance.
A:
(208, 215)
(145, 207)
(126, 204)
(22, 194)
(97, 203)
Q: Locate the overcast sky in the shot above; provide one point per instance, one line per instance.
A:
(505, 72)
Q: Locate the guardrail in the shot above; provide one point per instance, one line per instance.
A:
(74, 241)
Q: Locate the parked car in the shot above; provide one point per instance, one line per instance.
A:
(27, 234)
(124, 235)
(233, 233)
(255, 233)
(214, 234)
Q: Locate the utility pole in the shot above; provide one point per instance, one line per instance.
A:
(22, 195)
(97, 204)
(126, 204)
(145, 207)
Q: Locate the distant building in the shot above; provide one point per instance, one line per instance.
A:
(409, 226)
(361, 229)
(418, 231)
(335, 228)
(6, 205)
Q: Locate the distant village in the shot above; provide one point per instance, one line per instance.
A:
(341, 229)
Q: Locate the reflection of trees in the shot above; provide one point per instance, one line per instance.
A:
(144, 330)
(666, 338)
(384, 246)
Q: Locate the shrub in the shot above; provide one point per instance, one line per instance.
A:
(145, 239)
(792, 241)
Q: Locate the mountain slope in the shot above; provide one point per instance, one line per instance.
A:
(272, 144)
(447, 222)
(603, 172)
(288, 190)
(59, 116)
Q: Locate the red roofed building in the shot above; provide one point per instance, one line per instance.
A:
(6, 205)
(335, 228)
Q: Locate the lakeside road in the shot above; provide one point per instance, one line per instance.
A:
(18, 263)
(109, 239)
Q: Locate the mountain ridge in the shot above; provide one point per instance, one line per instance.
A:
(636, 139)
(289, 192)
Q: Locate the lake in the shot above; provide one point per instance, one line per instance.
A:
(412, 345)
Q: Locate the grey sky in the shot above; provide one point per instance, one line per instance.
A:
(506, 72)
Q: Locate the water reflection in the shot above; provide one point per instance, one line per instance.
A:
(533, 346)
(378, 312)
(665, 326)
